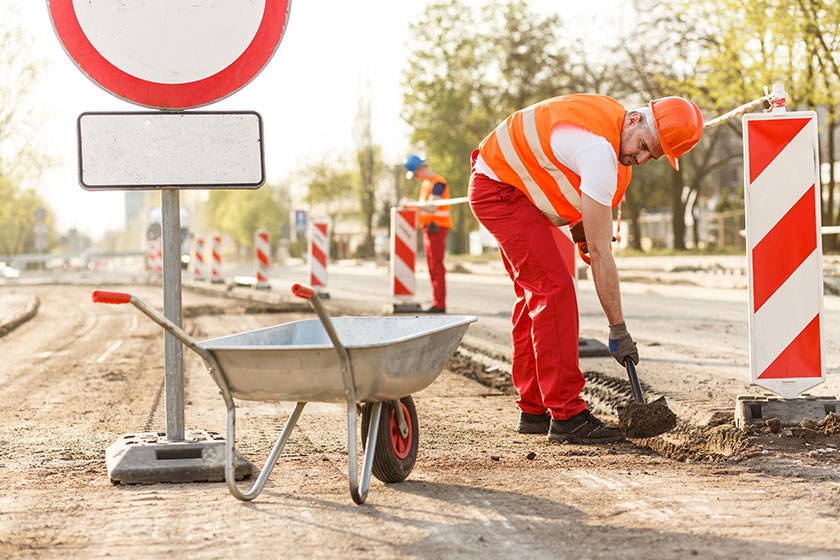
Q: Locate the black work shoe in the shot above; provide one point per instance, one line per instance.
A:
(582, 428)
(434, 309)
(533, 423)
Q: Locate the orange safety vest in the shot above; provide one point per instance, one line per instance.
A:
(519, 151)
(442, 216)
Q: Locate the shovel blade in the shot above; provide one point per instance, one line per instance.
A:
(639, 420)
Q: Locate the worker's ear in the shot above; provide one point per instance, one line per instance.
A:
(632, 118)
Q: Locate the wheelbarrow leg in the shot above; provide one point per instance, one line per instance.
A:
(359, 489)
(230, 477)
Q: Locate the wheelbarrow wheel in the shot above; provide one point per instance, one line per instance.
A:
(394, 455)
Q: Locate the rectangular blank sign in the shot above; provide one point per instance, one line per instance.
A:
(183, 150)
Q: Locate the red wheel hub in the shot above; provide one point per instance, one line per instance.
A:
(401, 445)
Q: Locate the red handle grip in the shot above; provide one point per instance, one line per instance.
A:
(302, 291)
(102, 296)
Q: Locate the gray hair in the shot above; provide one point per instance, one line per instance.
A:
(647, 117)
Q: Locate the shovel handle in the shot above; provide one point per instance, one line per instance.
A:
(634, 381)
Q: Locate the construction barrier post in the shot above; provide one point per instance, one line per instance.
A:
(319, 249)
(262, 248)
(403, 254)
(784, 249)
(198, 259)
(216, 260)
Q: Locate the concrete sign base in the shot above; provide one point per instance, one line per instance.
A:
(757, 409)
(148, 457)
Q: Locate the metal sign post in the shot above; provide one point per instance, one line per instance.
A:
(172, 309)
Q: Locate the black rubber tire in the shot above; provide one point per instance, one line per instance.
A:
(394, 456)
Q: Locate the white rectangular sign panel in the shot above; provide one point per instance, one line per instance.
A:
(183, 150)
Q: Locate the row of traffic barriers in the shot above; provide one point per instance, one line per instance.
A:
(402, 262)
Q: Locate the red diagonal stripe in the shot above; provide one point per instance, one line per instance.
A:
(801, 358)
(767, 139)
(783, 249)
(318, 254)
(404, 253)
(400, 289)
(322, 227)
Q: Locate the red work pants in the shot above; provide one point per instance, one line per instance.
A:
(434, 245)
(545, 364)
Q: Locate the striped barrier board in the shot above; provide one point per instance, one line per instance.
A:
(403, 256)
(262, 250)
(216, 260)
(154, 256)
(198, 259)
(782, 199)
(318, 250)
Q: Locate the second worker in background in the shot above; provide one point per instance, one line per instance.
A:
(436, 221)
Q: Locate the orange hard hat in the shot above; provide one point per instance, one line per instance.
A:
(679, 124)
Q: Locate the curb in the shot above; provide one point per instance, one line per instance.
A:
(29, 311)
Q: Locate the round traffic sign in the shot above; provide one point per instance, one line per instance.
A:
(170, 54)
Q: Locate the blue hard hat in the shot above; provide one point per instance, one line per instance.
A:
(413, 163)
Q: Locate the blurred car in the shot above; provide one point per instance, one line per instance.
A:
(7, 271)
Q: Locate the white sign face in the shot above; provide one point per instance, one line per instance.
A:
(153, 150)
(170, 54)
(170, 41)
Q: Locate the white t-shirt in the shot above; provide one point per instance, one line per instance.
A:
(588, 155)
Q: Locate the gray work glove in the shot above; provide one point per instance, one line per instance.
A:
(621, 344)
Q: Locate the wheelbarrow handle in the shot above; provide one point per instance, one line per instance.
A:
(301, 291)
(103, 296)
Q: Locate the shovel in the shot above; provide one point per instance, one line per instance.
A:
(639, 419)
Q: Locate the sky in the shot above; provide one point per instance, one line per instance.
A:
(307, 94)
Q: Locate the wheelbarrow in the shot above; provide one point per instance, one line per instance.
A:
(373, 363)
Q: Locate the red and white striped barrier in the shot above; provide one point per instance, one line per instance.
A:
(262, 249)
(198, 259)
(319, 248)
(154, 255)
(403, 256)
(216, 260)
(782, 197)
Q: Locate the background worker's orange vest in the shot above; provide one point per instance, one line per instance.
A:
(442, 217)
(519, 151)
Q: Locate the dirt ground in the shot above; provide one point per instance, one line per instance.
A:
(79, 375)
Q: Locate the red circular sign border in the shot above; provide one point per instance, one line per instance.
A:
(171, 96)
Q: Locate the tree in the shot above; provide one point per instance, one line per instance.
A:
(328, 185)
(20, 156)
(239, 213)
(369, 160)
(468, 68)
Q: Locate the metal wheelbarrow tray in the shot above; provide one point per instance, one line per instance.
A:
(375, 363)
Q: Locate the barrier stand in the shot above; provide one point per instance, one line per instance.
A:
(319, 249)
(216, 260)
(198, 259)
(262, 248)
(782, 202)
(403, 254)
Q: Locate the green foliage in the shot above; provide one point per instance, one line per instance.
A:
(470, 66)
(239, 213)
(17, 218)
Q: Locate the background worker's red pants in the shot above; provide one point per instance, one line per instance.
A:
(434, 245)
(545, 365)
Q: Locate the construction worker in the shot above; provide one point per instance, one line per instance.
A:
(436, 221)
(567, 160)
